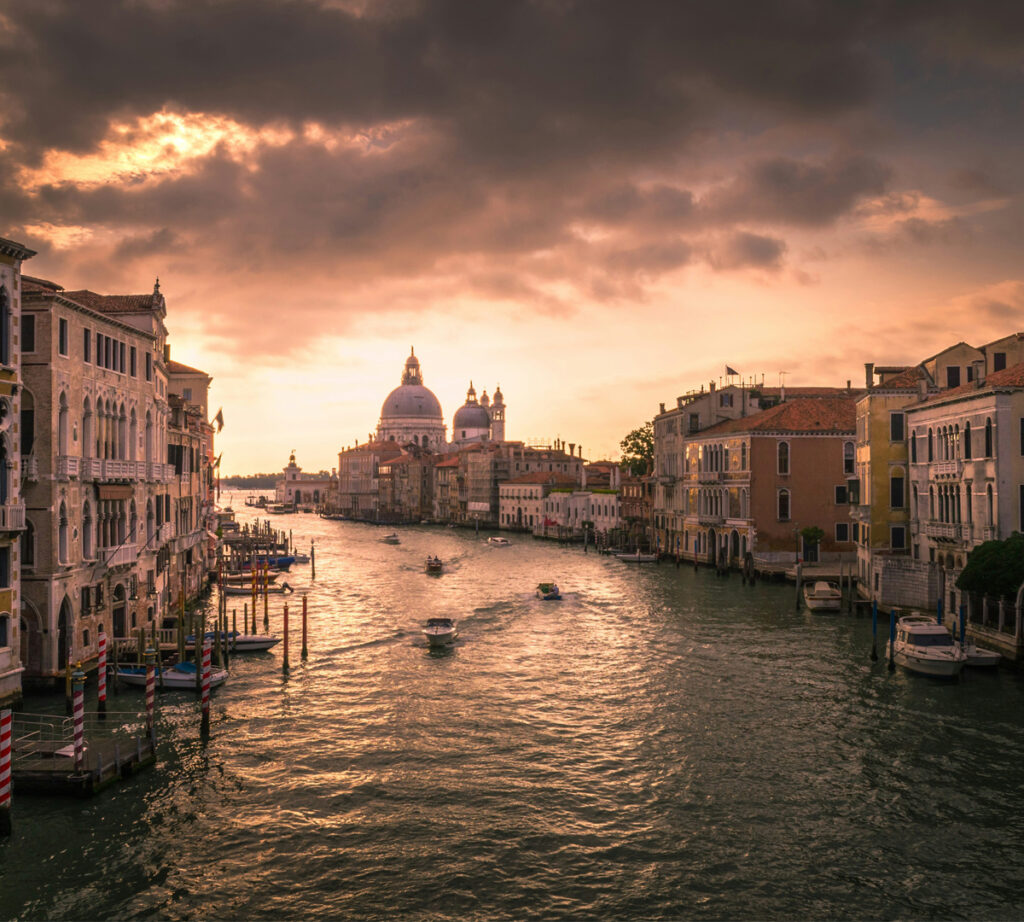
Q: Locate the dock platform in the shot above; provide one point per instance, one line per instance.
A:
(43, 752)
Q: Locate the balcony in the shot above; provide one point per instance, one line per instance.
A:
(12, 517)
(166, 533)
(666, 479)
(707, 519)
(67, 467)
(709, 476)
(946, 468)
(949, 531)
(92, 469)
(117, 470)
(123, 556)
(988, 533)
(30, 469)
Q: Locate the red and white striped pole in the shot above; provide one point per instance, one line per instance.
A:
(150, 686)
(205, 726)
(284, 662)
(78, 708)
(101, 678)
(5, 773)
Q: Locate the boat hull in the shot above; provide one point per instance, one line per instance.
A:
(439, 637)
(940, 667)
(172, 678)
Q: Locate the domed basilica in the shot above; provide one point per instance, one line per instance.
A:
(411, 413)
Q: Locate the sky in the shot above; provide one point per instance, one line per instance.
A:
(595, 205)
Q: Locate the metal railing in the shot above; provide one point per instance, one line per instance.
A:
(12, 516)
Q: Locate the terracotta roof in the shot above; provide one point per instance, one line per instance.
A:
(116, 304)
(802, 414)
(1007, 378)
(448, 462)
(29, 283)
(807, 391)
(908, 379)
(555, 477)
(177, 368)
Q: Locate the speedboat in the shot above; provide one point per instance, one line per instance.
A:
(181, 675)
(926, 647)
(434, 565)
(391, 539)
(439, 631)
(498, 540)
(548, 591)
(979, 656)
(241, 643)
(822, 595)
(239, 589)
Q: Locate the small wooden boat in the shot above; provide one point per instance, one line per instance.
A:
(434, 565)
(979, 656)
(440, 631)
(242, 589)
(181, 675)
(822, 595)
(548, 592)
(498, 541)
(391, 539)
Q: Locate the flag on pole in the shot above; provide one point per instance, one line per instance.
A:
(219, 419)
(216, 462)
(730, 371)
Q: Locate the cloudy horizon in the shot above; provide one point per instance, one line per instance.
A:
(596, 206)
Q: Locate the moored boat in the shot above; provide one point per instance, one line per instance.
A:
(979, 656)
(822, 595)
(926, 647)
(241, 643)
(440, 631)
(637, 557)
(181, 675)
(548, 591)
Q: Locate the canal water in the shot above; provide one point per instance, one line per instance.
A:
(661, 744)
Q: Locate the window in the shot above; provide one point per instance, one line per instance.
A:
(913, 448)
(1020, 508)
(725, 400)
(896, 497)
(967, 439)
(5, 639)
(783, 458)
(931, 451)
(5, 567)
(87, 345)
(898, 537)
(131, 366)
(694, 422)
(1022, 435)
(842, 531)
(842, 495)
(848, 458)
(5, 326)
(998, 361)
(149, 366)
(121, 364)
(896, 427)
(953, 376)
(783, 505)
(62, 336)
(988, 438)
(28, 332)
(186, 394)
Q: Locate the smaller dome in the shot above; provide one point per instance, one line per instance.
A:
(471, 416)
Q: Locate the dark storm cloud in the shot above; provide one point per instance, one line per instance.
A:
(745, 250)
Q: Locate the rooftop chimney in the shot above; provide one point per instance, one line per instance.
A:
(711, 386)
(662, 407)
(869, 374)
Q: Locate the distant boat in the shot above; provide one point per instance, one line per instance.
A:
(822, 595)
(434, 565)
(240, 643)
(498, 541)
(637, 557)
(548, 591)
(243, 589)
(440, 631)
(391, 539)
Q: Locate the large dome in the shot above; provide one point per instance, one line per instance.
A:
(411, 400)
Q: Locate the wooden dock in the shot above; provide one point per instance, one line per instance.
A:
(43, 752)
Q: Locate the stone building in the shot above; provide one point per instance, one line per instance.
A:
(411, 413)
(15, 334)
(304, 489)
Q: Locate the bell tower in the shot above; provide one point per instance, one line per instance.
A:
(497, 410)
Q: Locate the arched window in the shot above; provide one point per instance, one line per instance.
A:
(743, 456)
(149, 438)
(931, 451)
(28, 544)
(913, 448)
(88, 423)
(5, 326)
(990, 511)
(62, 534)
(848, 458)
(150, 522)
(783, 505)
(133, 436)
(62, 425)
(88, 532)
(988, 439)
(967, 439)
(783, 456)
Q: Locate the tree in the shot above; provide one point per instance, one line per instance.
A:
(995, 568)
(638, 449)
(812, 535)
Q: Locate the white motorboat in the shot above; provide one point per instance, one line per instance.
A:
(498, 540)
(979, 656)
(637, 557)
(391, 539)
(822, 595)
(181, 675)
(440, 631)
(923, 646)
(251, 643)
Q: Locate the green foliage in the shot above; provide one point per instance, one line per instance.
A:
(638, 449)
(251, 482)
(995, 568)
(812, 535)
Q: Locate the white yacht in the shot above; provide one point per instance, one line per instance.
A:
(926, 647)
